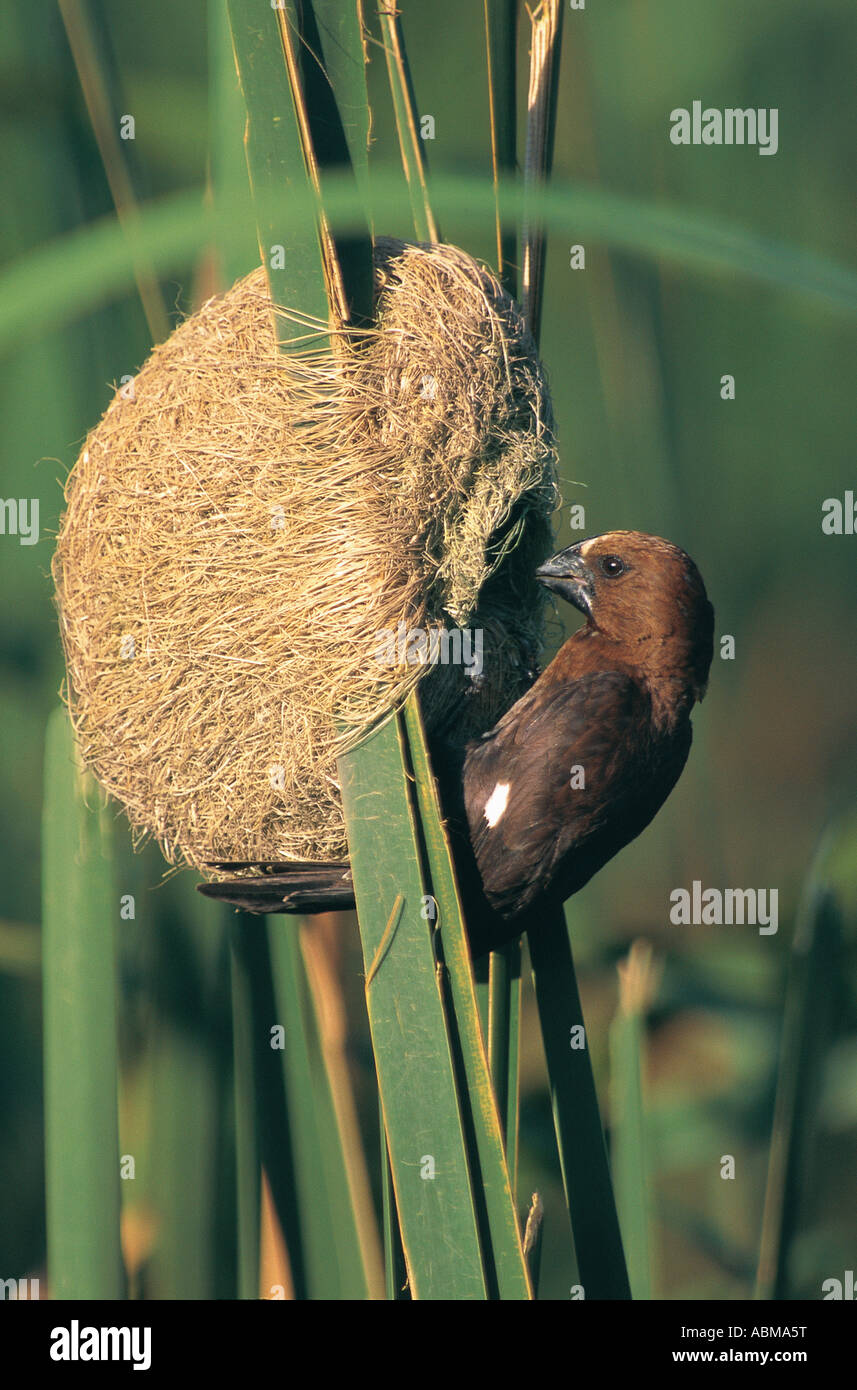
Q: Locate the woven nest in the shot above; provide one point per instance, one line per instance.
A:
(250, 535)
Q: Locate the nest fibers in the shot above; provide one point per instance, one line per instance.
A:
(262, 552)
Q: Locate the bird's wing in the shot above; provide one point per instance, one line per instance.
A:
(562, 767)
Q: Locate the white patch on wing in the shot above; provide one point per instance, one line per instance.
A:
(496, 803)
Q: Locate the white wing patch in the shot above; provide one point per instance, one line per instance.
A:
(496, 803)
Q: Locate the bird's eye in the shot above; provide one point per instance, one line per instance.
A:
(612, 566)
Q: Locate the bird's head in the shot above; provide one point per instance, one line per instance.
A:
(643, 592)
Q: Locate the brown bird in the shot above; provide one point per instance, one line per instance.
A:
(577, 767)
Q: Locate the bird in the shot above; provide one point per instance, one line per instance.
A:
(575, 769)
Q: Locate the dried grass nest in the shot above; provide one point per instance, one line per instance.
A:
(244, 526)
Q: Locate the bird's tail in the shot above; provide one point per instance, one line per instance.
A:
(290, 886)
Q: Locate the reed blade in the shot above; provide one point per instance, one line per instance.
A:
(577, 1118)
(80, 907)
(411, 146)
(416, 1074)
(488, 1110)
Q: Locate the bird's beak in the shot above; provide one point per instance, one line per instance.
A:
(567, 575)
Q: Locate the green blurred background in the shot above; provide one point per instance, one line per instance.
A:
(635, 351)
